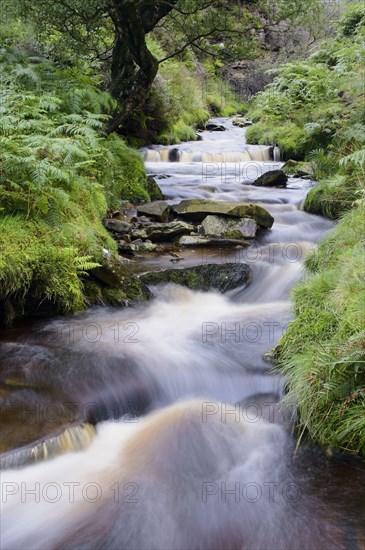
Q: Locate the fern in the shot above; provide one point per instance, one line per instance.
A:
(357, 158)
(84, 264)
(58, 177)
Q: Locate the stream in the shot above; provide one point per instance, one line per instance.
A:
(193, 447)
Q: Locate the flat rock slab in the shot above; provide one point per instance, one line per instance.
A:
(192, 240)
(198, 209)
(117, 225)
(158, 210)
(229, 227)
(165, 232)
(222, 277)
(212, 127)
(273, 178)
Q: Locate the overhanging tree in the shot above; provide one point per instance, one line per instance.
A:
(114, 32)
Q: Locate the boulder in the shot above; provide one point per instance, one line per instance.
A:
(222, 277)
(242, 122)
(113, 275)
(273, 178)
(197, 240)
(153, 189)
(157, 210)
(212, 127)
(138, 246)
(174, 155)
(225, 226)
(198, 209)
(139, 233)
(118, 226)
(165, 232)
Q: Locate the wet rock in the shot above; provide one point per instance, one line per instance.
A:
(164, 232)
(198, 209)
(116, 215)
(139, 234)
(174, 155)
(212, 127)
(197, 240)
(125, 248)
(74, 438)
(153, 189)
(146, 246)
(137, 246)
(118, 226)
(126, 237)
(125, 261)
(158, 210)
(273, 178)
(161, 176)
(222, 277)
(220, 226)
(115, 276)
(242, 122)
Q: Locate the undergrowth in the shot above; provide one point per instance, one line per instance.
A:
(58, 178)
(323, 352)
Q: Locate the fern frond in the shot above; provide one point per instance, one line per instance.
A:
(357, 158)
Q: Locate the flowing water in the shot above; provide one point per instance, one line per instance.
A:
(192, 447)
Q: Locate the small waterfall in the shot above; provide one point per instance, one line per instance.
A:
(75, 438)
(276, 154)
(259, 153)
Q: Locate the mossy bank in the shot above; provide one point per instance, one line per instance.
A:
(314, 111)
(59, 176)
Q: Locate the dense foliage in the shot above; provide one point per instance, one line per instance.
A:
(58, 177)
(315, 111)
(114, 36)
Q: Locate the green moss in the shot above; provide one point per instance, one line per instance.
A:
(323, 354)
(314, 110)
(58, 178)
(177, 133)
(288, 136)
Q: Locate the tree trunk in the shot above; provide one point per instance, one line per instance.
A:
(134, 67)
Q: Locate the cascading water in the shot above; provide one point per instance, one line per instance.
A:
(192, 448)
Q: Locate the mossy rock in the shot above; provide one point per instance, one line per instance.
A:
(198, 209)
(153, 190)
(233, 234)
(222, 277)
(118, 285)
(273, 178)
(157, 210)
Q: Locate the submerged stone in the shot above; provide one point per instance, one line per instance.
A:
(273, 178)
(225, 242)
(115, 277)
(212, 127)
(222, 277)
